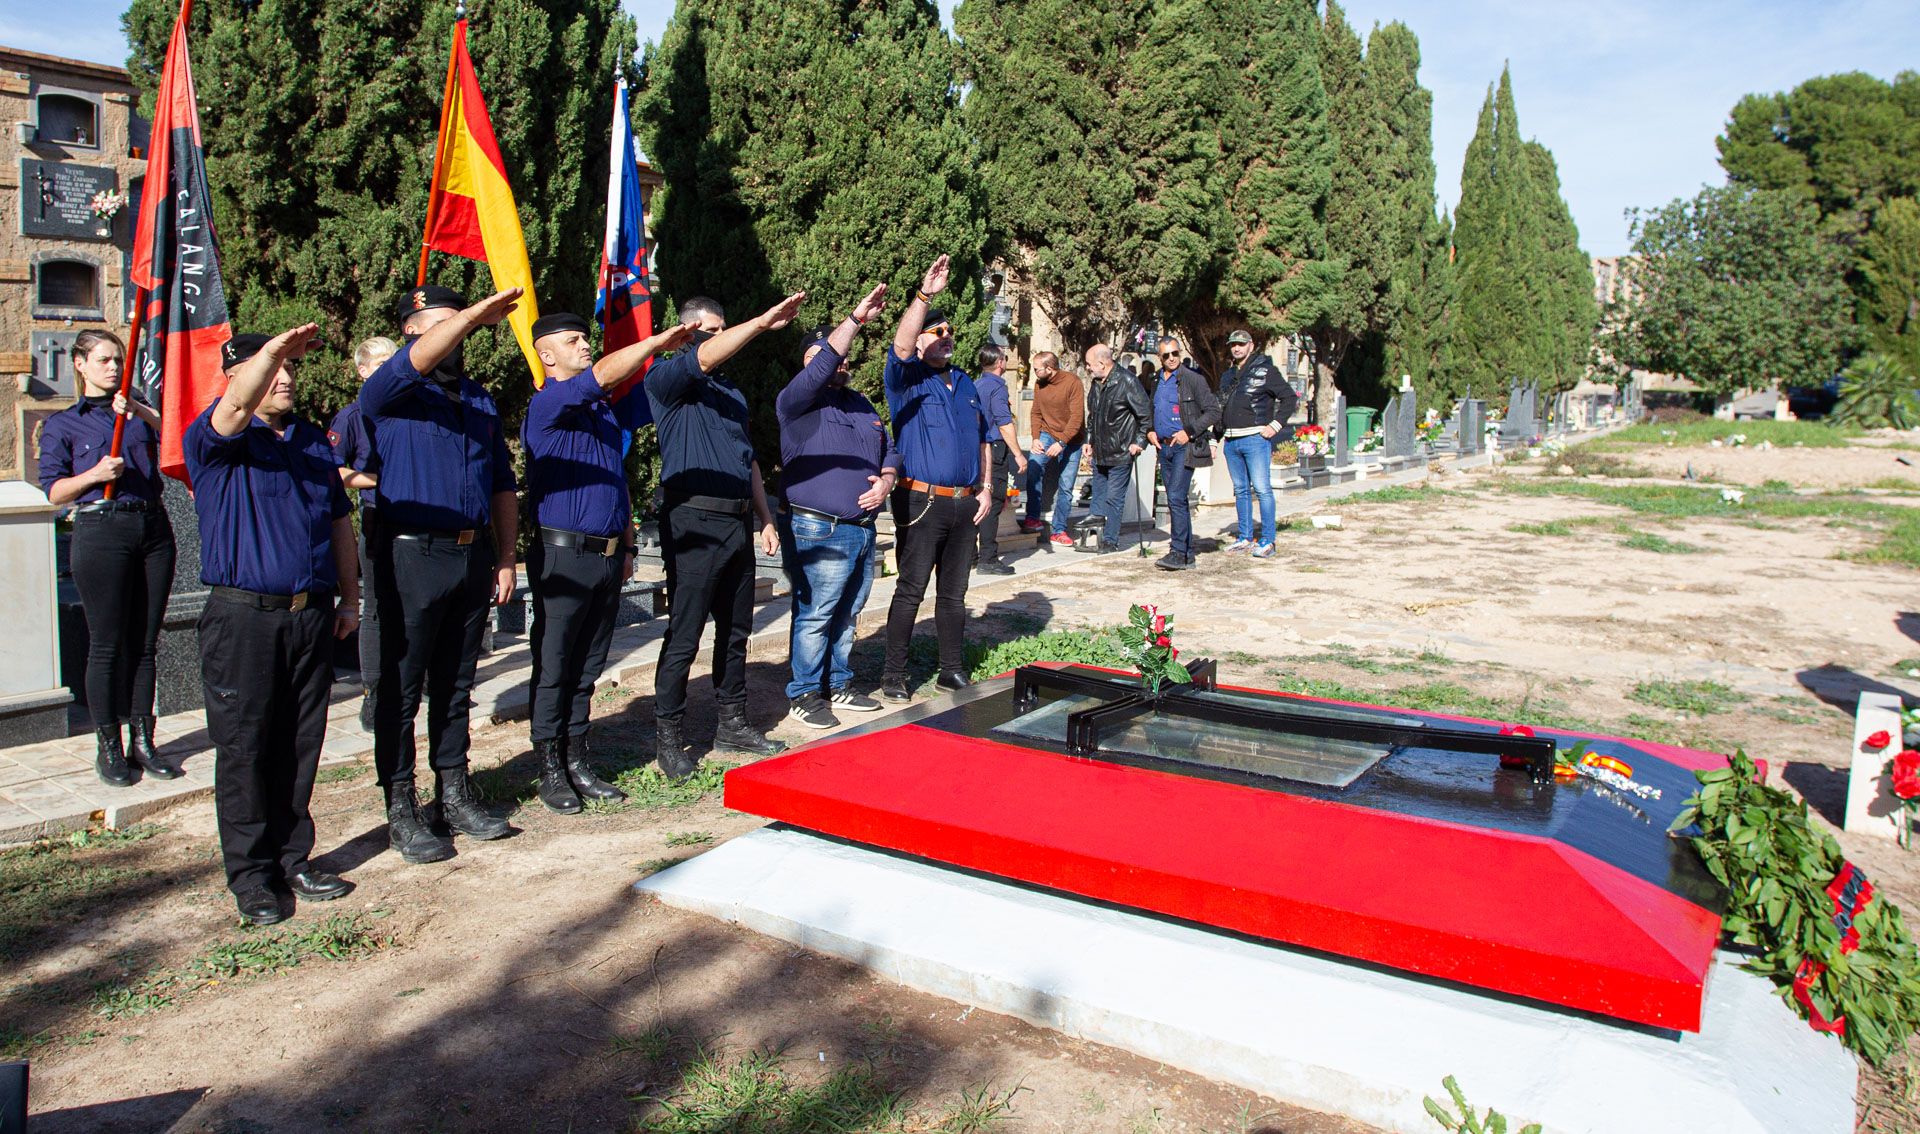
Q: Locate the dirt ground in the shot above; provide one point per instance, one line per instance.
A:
(522, 985)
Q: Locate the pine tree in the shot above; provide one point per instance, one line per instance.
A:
(319, 121)
(1361, 217)
(1890, 283)
(1519, 316)
(811, 146)
(1848, 143)
(1278, 157)
(1044, 109)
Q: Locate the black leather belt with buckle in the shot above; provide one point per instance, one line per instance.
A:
(117, 504)
(462, 537)
(829, 517)
(710, 504)
(608, 546)
(298, 601)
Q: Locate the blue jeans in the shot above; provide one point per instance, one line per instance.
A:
(1250, 463)
(1059, 473)
(1110, 483)
(830, 568)
(1178, 477)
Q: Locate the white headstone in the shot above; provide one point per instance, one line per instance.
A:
(31, 662)
(1872, 807)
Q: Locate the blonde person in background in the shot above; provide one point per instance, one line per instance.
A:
(351, 436)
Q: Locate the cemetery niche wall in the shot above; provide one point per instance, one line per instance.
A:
(1427, 844)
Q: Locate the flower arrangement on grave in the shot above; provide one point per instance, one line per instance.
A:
(107, 203)
(1579, 762)
(1845, 961)
(1311, 440)
(1905, 769)
(1910, 723)
(1431, 429)
(1147, 640)
(1369, 441)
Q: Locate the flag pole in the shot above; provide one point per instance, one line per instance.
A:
(439, 151)
(126, 380)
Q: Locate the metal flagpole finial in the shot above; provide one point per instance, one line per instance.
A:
(459, 9)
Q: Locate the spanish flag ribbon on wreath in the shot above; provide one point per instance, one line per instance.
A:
(470, 210)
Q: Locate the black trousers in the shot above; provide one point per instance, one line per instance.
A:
(433, 597)
(1002, 478)
(709, 557)
(369, 635)
(266, 674)
(122, 566)
(932, 532)
(576, 595)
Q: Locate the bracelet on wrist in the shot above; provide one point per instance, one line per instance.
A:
(923, 297)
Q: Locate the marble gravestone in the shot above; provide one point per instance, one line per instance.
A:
(1472, 416)
(56, 199)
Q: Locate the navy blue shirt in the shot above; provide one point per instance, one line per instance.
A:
(938, 429)
(353, 447)
(1166, 406)
(73, 441)
(442, 452)
(575, 479)
(995, 401)
(701, 422)
(267, 503)
(831, 440)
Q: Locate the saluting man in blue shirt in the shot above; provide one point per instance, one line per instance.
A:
(942, 431)
(276, 551)
(577, 490)
(443, 549)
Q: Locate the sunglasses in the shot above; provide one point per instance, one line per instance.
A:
(1171, 354)
(938, 330)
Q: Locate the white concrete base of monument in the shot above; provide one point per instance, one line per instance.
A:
(1302, 1028)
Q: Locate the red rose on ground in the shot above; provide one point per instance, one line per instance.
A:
(1906, 774)
(1879, 740)
(1163, 640)
(1159, 624)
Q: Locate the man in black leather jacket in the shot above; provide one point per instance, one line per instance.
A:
(1185, 412)
(1117, 418)
(1256, 401)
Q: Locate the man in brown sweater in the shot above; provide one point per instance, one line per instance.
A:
(1059, 424)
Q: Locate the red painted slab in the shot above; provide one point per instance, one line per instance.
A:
(1507, 912)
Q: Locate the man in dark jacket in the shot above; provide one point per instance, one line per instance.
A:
(1117, 416)
(1185, 411)
(1256, 404)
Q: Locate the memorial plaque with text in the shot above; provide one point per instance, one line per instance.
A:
(56, 199)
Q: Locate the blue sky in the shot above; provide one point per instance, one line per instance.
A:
(1628, 94)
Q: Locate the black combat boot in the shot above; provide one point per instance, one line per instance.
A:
(461, 808)
(589, 785)
(670, 750)
(141, 751)
(110, 759)
(737, 734)
(406, 833)
(555, 791)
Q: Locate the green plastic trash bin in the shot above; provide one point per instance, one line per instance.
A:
(1359, 420)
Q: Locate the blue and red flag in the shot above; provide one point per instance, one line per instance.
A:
(624, 305)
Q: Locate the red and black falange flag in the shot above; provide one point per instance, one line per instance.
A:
(175, 264)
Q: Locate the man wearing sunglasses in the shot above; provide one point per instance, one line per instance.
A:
(941, 432)
(1185, 411)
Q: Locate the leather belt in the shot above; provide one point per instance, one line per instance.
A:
(462, 537)
(829, 517)
(103, 507)
(913, 485)
(607, 546)
(298, 601)
(733, 507)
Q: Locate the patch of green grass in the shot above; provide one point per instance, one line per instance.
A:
(339, 773)
(1894, 484)
(653, 1045)
(1789, 710)
(1318, 687)
(648, 790)
(1660, 730)
(1550, 528)
(1396, 494)
(1905, 667)
(656, 865)
(689, 838)
(1696, 698)
(17, 1045)
(51, 881)
(1340, 654)
(1591, 460)
(341, 937)
(754, 1094)
(1810, 434)
(1446, 697)
(1660, 545)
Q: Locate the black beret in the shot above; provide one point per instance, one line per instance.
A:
(557, 322)
(425, 298)
(935, 317)
(239, 348)
(817, 337)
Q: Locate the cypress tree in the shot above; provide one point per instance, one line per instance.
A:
(1361, 219)
(1044, 110)
(1420, 284)
(811, 146)
(319, 120)
(1518, 316)
(1278, 157)
(1890, 283)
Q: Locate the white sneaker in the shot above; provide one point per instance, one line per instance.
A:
(1239, 545)
(1263, 551)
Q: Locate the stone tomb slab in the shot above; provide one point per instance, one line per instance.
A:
(1303, 1027)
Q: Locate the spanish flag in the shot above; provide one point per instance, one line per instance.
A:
(470, 211)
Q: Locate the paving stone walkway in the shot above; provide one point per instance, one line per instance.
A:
(50, 788)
